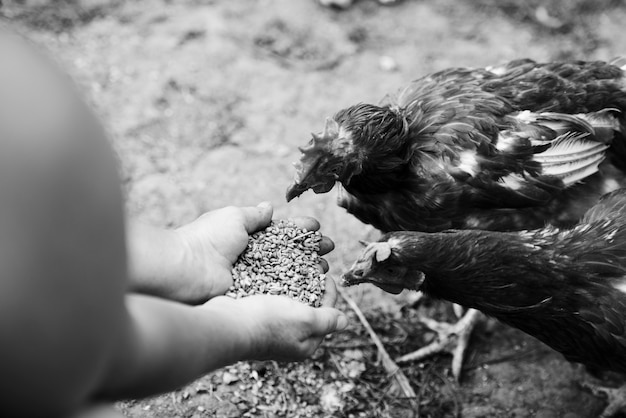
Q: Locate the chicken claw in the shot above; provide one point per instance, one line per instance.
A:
(451, 338)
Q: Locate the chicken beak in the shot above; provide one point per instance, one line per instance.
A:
(357, 276)
(306, 178)
(349, 279)
(295, 190)
(300, 184)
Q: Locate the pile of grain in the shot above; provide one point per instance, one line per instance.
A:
(280, 260)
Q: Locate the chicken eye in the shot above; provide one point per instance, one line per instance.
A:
(336, 168)
(393, 271)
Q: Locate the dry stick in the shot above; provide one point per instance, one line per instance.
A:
(390, 366)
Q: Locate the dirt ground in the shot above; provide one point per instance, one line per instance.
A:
(206, 102)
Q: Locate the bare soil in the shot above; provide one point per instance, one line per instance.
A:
(206, 102)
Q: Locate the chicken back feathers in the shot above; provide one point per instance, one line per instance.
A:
(502, 148)
(566, 287)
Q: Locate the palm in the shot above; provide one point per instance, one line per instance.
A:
(218, 237)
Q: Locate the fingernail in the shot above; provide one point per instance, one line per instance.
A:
(342, 322)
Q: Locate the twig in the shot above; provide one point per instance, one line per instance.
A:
(307, 233)
(390, 366)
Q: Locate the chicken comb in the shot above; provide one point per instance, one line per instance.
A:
(321, 143)
(380, 251)
(383, 251)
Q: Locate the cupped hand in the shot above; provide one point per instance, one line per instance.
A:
(215, 240)
(282, 329)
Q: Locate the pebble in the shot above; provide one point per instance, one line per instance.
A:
(387, 63)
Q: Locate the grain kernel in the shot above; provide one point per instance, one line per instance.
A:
(280, 260)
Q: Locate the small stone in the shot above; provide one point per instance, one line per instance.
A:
(387, 63)
(229, 378)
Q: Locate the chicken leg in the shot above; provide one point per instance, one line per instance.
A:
(451, 338)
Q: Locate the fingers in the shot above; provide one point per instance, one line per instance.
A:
(323, 265)
(312, 224)
(326, 245)
(329, 320)
(330, 293)
(257, 217)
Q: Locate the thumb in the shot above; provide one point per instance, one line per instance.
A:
(329, 320)
(257, 217)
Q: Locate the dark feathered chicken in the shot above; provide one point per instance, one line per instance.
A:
(503, 148)
(497, 148)
(566, 287)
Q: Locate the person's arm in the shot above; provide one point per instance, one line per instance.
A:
(168, 344)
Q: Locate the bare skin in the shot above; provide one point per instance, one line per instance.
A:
(70, 331)
(176, 263)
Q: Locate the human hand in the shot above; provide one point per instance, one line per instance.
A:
(213, 242)
(280, 328)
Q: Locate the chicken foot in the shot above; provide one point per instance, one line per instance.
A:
(451, 338)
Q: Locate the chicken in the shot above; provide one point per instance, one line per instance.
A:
(566, 287)
(495, 149)
(504, 148)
